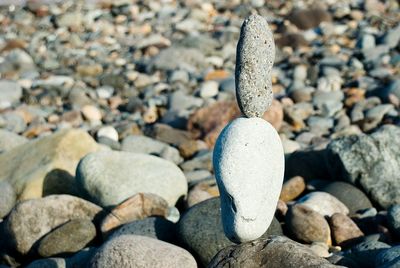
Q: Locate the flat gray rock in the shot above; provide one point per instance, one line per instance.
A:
(146, 145)
(389, 258)
(108, 178)
(372, 161)
(48, 263)
(254, 59)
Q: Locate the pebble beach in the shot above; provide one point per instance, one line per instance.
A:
(110, 112)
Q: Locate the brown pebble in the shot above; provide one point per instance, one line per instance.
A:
(201, 192)
(308, 226)
(310, 18)
(281, 209)
(191, 147)
(344, 230)
(274, 114)
(292, 40)
(207, 122)
(139, 206)
(292, 188)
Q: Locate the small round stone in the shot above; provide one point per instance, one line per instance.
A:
(110, 177)
(344, 230)
(209, 89)
(366, 253)
(108, 132)
(307, 225)
(323, 203)
(292, 188)
(254, 59)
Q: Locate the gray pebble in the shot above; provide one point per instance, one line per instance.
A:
(254, 60)
(10, 92)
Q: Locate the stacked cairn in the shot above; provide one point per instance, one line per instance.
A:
(248, 155)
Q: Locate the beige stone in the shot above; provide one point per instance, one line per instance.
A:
(308, 225)
(292, 188)
(344, 230)
(26, 167)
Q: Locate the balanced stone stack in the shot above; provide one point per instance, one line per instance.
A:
(248, 155)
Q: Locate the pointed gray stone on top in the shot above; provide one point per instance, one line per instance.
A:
(254, 60)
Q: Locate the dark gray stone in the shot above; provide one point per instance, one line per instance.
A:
(81, 258)
(200, 230)
(372, 161)
(350, 195)
(365, 253)
(388, 258)
(393, 218)
(68, 238)
(272, 252)
(48, 263)
(154, 227)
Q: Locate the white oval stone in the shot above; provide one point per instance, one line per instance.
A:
(323, 203)
(108, 132)
(249, 167)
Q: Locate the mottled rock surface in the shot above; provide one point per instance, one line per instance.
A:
(254, 59)
(371, 161)
(275, 251)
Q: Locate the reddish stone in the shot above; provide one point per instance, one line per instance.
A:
(139, 206)
(207, 122)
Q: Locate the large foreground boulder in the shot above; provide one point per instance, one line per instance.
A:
(272, 252)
